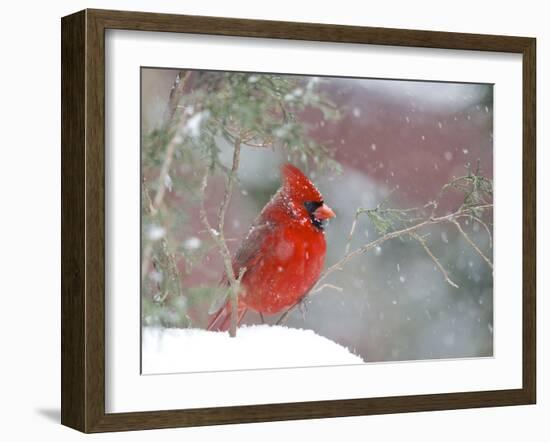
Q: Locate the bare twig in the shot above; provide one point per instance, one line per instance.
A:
(246, 140)
(328, 286)
(176, 93)
(219, 238)
(234, 300)
(148, 249)
(397, 233)
(229, 186)
(282, 318)
(352, 230)
(258, 145)
(161, 187)
(436, 261)
(486, 227)
(473, 244)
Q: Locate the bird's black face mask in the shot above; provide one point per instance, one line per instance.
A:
(311, 207)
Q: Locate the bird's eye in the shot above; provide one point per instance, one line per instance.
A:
(312, 206)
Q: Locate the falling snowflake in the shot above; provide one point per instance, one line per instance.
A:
(193, 126)
(192, 243)
(168, 183)
(155, 232)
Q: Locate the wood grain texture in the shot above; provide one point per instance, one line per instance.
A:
(529, 220)
(95, 221)
(144, 21)
(73, 129)
(83, 220)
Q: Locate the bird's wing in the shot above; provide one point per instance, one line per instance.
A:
(255, 242)
(248, 254)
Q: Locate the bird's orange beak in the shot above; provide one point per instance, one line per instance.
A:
(324, 212)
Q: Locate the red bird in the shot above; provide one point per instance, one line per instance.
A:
(283, 252)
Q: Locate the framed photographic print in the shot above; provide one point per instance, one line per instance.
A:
(270, 220)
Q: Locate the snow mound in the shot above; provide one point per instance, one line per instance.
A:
(171, 350)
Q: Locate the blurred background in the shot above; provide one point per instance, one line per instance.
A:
(363, 142)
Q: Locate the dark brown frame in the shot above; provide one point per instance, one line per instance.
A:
(83, 216)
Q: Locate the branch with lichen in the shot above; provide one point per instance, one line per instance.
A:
(165, 262)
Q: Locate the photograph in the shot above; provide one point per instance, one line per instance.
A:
(303, 220)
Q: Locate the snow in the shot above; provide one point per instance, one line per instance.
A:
(171, 350)
(156, 277)
(192, 243)
(168, 183)
(193, 126)
(155, 232)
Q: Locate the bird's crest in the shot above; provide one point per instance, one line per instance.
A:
(297, 185)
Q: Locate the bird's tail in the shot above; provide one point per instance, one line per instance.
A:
(221, 320)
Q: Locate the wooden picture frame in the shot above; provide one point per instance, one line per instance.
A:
(83, 220)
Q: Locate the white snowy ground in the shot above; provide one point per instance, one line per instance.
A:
(171, 350)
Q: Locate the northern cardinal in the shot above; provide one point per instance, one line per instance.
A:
(283, 252)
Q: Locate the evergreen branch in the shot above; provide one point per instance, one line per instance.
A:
(358, 212)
